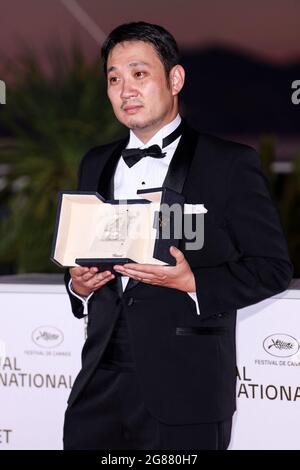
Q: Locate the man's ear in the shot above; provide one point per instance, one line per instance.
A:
(177, 77)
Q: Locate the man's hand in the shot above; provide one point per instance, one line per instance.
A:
(87, 280)
(178, 277)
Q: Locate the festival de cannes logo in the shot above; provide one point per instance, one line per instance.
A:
(281, 345)
(47, 336)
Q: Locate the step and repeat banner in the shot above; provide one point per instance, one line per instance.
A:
(268, 386)
(40, 347)
(39, 360)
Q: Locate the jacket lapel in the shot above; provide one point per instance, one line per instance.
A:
(178, 169)
(106, 179)
(181, 161)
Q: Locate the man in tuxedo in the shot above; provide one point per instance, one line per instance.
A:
(159, 362)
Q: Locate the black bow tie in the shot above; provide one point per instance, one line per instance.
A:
(132, 156)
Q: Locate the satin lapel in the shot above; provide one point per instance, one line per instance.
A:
(106, 189)
(181, 161)
(106, 178)
(178, 169)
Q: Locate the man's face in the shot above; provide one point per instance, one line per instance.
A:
(137, 87)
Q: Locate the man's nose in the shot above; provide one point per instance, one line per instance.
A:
(128, 90)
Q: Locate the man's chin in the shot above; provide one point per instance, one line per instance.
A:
(139, 124)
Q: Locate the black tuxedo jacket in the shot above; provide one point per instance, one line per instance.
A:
(186, 363)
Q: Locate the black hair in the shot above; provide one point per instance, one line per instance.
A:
(162, 41)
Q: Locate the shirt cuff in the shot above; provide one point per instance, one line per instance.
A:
(194, 297)
(84, 299)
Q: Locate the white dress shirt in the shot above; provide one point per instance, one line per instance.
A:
(148, 172)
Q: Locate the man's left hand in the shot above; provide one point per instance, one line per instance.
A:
(178, 277)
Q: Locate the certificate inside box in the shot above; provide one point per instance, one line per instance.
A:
(91, 231)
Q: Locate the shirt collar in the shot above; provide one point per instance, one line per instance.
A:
(135, 142)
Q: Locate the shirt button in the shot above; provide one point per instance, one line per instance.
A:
(130, 301)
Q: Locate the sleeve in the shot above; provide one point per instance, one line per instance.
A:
(262, 267)
(84, 299)
(193, 295)
(79, 304)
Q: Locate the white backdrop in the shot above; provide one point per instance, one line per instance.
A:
(40, 345)
(41, 342)
(268, 390)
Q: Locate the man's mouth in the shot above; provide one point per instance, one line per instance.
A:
(132, 109)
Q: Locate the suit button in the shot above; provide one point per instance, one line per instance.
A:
(130, 301)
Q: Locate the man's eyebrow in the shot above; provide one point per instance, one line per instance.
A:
(132, 64)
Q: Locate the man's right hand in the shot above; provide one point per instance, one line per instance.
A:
(86, 280)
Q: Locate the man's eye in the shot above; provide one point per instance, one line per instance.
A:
(113, 80)
(139, 74)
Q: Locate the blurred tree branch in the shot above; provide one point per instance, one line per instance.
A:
(52, 118)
